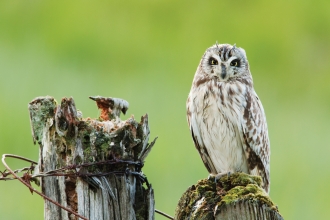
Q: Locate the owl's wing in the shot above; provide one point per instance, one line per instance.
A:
(255, 137)
(197, 138)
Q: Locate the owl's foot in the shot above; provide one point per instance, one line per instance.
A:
(218, 175)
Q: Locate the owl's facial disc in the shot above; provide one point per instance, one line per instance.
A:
(224, 61)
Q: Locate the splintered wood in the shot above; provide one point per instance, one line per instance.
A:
(101, 160)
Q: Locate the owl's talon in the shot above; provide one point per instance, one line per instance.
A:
(210, 177)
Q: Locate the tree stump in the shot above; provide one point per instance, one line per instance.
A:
(92, 166)
(238, 196)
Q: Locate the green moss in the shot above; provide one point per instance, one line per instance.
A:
(239, 179)
(205, 185)
(101, 138)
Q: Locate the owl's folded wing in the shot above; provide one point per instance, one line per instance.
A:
(255, 139)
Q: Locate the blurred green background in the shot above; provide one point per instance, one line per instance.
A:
(147, 53)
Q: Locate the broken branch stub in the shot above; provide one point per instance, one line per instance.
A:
(101, 160)
(110, 107)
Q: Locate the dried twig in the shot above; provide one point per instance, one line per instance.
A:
(164, 214)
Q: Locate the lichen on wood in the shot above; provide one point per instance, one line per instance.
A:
(99, 190)
(236, 196)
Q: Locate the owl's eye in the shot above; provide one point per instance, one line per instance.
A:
(213, 61)
(235, 63)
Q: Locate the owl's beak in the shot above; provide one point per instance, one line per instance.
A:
(223, 71)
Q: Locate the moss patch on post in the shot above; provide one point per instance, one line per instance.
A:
(206, 198)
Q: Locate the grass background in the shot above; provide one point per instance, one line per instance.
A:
(146, 52)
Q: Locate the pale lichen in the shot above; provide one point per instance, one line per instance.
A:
(40, 108)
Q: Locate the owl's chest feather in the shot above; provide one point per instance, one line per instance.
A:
(217, 117)
(225, 101)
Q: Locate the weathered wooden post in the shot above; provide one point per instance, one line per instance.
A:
(238, 196)
(92, 166)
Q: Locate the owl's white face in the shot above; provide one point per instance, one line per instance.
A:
(224, 62)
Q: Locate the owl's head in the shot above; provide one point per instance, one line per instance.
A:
(224, 62)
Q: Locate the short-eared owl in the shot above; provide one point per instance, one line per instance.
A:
(225, 116)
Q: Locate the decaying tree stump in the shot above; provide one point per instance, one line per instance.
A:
(238, 196)
(92, 166)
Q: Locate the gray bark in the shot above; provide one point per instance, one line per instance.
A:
(67, 139)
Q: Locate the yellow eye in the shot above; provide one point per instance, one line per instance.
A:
(235, 63)
(213, 61)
